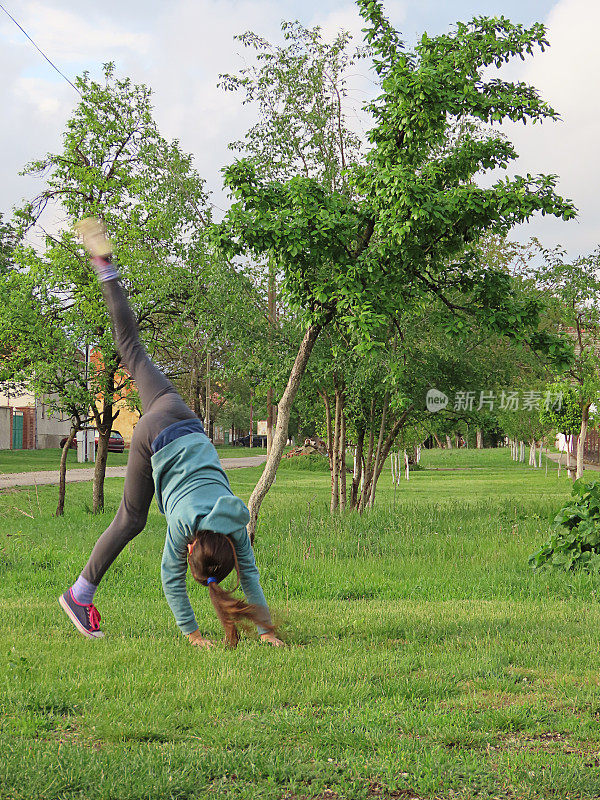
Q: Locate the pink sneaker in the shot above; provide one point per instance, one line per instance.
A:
(85, 618)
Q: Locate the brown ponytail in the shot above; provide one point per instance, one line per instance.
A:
(213, 556)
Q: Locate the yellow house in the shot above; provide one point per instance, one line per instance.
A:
(127, 418)
(126, 421)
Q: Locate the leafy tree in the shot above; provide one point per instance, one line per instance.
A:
(525, 424)
(410, 227)
(38, 353)
(574, 286)
(114, 164)
(300, 95)
(9, 237)
(562, 412)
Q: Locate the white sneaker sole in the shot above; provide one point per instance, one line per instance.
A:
(75, 621)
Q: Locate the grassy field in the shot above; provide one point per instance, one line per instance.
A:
(49, 459)
(425, 660)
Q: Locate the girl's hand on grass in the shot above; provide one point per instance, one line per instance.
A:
(196, 638)
(270, 638)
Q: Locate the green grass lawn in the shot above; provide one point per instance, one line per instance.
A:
(49, 459)
(425, 660)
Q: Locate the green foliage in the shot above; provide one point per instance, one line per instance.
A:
(410, 226)
(113, 164)
(572, 289)
(311, 462)
(562, 411)
(299, 92)
(8, 239)
(575, 542)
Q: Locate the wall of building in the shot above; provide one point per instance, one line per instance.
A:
(125, 422)
(51, 428)
(28, 427)
(5, 428)
(16, 400)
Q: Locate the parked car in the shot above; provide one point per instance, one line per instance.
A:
(116, 443)
(257, 441)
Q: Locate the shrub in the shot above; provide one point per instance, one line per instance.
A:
(575, 541)
(313, 462)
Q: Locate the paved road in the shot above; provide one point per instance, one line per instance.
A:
(563, 460)
(42, 477)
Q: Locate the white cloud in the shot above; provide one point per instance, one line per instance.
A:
(76, 36)
(179, 48)
(567, 76)
(345, 18)
(193, 46)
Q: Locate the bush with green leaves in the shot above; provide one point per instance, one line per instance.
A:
(313, 462)
(575, 541)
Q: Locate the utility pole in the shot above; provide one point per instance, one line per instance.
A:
(87, 386)
(271, 311)
(207, 403)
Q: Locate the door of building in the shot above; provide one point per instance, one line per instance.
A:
(17, 431)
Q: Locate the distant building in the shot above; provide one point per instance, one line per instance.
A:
(27, 424)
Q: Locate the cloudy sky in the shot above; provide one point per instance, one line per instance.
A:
(179, 48)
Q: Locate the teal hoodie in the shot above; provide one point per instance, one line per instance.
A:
(193, 493)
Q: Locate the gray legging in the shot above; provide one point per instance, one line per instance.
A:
(161, 406)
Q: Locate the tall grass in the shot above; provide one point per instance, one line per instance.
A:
(424, 659)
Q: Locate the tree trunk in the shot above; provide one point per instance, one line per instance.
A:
(438, 441)
(207, 401)
(281, 428)
(100, 471)
(385, 450)
(251, 441)
(585, 414)
(357, 473)
(106, 420)
(196, 390)
(386, 400)
(568, 442)
(62, 482)
(448, 443)
(368, 466)
(329, 433)
(343, 494)
(335, 472)
(479, 435)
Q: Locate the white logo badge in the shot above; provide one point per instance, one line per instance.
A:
(436, 400)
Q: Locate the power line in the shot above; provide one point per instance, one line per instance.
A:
(39, 50)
